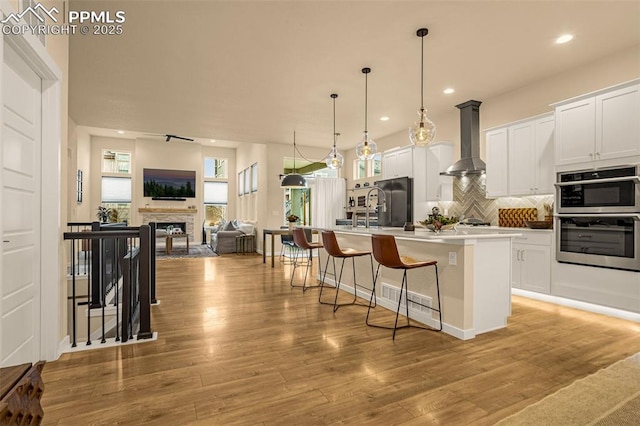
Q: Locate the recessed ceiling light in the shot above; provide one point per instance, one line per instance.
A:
(448, 91)
(565, 38)
(212, 140)
(385, 118)
(121, 132)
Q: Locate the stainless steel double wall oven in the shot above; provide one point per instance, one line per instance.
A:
(598, 220)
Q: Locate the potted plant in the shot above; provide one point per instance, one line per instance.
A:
(292, 219)
(103, 214)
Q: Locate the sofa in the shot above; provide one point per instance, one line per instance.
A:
(223, 236)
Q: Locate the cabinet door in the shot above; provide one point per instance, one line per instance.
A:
(575, 132)
(521, 153)
(618, 124)
(516, 266)
(388, 165)
(544, 156)
(497, 173)
(536, 268)
(404, 162)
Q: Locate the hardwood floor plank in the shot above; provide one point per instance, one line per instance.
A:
(237, 345)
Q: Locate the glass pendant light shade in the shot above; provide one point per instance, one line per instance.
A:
(334, 160)
(423, 131)
(366, 148)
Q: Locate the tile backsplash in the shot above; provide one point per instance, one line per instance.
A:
(470, 201)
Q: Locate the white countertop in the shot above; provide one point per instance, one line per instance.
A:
(462, 233)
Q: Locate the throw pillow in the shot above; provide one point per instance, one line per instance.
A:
(230, 227)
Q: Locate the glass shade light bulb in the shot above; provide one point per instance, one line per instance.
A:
(424, 131)
(366, 148)
(334, 160)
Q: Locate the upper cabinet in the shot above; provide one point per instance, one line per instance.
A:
(520, 158)
(397, 162)
(599, 129)
(424, 165)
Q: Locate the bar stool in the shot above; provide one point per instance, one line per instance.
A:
(386, 254)
(300, 239)
(334, 251)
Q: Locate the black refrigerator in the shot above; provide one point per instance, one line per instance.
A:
(398, 197)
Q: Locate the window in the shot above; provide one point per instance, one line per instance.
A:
(216, 196)
(247, 181)
(116, 195)
(116, 162)
(216, 189)
(367, 168)
(215, 168)
(254, 177)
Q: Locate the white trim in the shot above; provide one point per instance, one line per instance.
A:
(576, 304)
(36, 56)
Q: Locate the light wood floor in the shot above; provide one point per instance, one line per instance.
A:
(237, 346)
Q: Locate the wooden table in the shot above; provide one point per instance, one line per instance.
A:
(169, 241)
(273, 232)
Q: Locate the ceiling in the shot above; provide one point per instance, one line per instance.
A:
(255, 71)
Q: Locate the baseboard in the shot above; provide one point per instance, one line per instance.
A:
(584, 306)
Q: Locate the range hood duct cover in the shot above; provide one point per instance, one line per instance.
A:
(470, 162)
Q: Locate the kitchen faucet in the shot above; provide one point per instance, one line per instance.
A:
(384, 204)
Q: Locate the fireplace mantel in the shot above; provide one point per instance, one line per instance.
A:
(167, 210)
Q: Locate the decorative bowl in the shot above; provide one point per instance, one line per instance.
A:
(539, 224)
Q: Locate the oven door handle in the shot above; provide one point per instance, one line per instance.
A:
(634, 216)
(635, 179)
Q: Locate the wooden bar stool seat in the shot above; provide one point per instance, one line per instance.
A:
(334, 251)
(385, 251)
(301, 241)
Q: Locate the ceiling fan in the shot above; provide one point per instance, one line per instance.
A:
(168, 137)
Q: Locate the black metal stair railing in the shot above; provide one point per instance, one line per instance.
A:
(116, 261)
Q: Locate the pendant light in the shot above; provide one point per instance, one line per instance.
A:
(293, 180)
(334, 160)
(423, 131)
(366, 148)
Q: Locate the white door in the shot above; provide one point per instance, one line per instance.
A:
(20, 157)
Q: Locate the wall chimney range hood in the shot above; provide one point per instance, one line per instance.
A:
(470, 162)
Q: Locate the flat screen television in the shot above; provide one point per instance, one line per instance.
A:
(161, 184)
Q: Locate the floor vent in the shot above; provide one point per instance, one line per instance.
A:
(393, 294)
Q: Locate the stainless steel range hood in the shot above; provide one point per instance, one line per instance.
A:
(470, 162)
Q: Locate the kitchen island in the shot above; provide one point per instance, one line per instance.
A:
(474, 267)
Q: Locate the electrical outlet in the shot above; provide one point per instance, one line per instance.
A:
(453, 258)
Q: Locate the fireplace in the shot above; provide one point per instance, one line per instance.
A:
(175, 225)
(163, 217)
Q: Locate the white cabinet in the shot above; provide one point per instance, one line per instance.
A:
(520, 158)
(397, 163)
(531, 261)
(424, 165)
(599, 129)
(497, 184)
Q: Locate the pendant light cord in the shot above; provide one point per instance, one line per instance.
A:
(334, 124)
(366, 91)
(294, 151)
(422, 74)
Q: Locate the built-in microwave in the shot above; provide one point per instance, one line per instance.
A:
(612, 190)
(605, 240)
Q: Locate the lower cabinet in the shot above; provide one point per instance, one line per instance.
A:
(531, 262)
